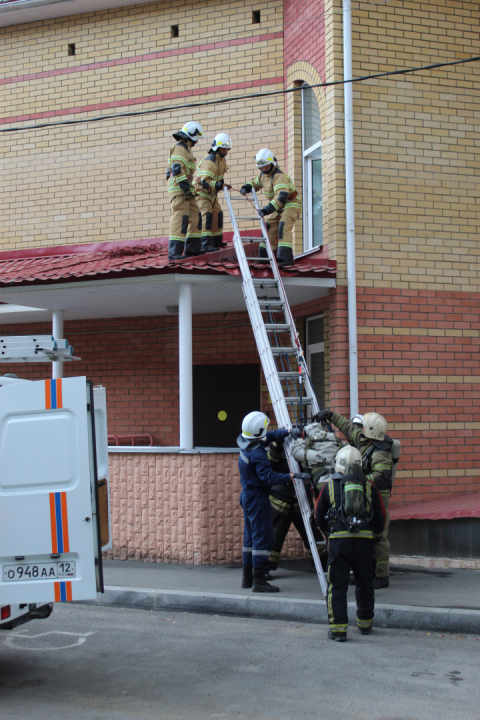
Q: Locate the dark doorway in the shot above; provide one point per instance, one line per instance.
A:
(222, 396)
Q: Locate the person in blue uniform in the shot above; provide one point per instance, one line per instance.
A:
(257, 478)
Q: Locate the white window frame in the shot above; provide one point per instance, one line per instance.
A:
(314, 152)
(314, 348)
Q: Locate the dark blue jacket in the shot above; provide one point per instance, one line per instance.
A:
(256, 474)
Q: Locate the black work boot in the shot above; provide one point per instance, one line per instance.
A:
(339, 637)
(207, 244)
(260, 584)
(381, 583)
(175, 249)
(285, 256)
(247, 579)
(218, 242)
(191, 253)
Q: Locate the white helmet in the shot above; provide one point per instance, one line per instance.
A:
(254, 425)
(348, 455)
(190, 131)
(265, 157)
(222, 141)
(357, 420)
(374, 426)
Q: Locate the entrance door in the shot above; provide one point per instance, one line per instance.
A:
(222, 396)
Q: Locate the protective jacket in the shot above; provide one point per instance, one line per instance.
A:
(376, 455)
(329, 503)
(211, 171)
(180, 169)
(279, 191)
(256, 473)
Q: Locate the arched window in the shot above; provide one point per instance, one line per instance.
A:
(312, 170)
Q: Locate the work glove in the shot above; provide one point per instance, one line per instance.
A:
(219, 185)
(303, 476)
(205, 184)
(189, 195)
(296, 433)
(245, 189)
(169, 172)
(267, 210)
(323, 415)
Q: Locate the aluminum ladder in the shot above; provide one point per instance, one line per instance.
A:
(281, 354)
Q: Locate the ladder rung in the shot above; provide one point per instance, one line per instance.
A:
(296, 400)
(238, 198)
(270, 327)
(250, 237)
(284, 350)
(277, 303)
(285, 375)
(265, 283)
(246, 217)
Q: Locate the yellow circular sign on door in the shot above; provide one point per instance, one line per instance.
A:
(222, 415)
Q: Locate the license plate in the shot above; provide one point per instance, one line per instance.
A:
(39, 571)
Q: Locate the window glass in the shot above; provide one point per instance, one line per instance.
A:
(311, 118)
(316, 356)
(315, 330)
(317, 203)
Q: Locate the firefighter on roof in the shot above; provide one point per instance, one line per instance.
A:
(376, 449)
(350, 512)
(186, 220)
(284, 205)
(209, 182)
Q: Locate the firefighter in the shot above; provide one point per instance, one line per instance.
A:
(375, 445)
(284, 205)
(286, 510)
(210, 181)
(186, 220)
(257, 477)
(350, 512)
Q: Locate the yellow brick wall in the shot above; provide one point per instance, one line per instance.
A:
(417, 157)
(106, 181)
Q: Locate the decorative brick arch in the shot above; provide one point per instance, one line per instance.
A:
(298, 73)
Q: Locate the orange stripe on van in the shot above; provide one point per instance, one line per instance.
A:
(66, 543)
(48, 396)
(53, 524)
(58, 384)
(69, 590)
(57, 591)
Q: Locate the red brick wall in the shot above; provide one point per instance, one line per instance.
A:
(137, 361)
(406, 340)
(304, 34)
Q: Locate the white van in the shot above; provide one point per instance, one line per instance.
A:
(54, 495)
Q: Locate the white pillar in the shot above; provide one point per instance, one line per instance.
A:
(57, 332)
(185, 365)
(350, 207)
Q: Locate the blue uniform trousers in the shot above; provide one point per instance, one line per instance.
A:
(258, 529)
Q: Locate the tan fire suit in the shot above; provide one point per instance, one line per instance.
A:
(377, 466)
(186, 220)
(208, 183)
(286, 203)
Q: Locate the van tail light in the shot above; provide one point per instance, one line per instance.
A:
(5, 612)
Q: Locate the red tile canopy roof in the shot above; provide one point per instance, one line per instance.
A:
(142, 257)
(465, 505)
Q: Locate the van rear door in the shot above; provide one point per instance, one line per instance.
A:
(49, 533)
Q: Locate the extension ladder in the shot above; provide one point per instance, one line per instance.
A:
(281, 354)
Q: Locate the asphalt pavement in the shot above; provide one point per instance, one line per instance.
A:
(103, 663)
(417, 599)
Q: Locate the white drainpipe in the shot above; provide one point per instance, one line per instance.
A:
(57, 332)
(350, 206)
(185, 365)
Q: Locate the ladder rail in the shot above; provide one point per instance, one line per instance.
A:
(270, 369)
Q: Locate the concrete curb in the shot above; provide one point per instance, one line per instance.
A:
(403, 617)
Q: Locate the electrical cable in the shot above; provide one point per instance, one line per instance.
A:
(241, 98)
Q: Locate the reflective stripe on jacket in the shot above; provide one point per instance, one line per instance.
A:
(331, 498)
(378, 465)
(182, 155)
(210, 170)
(278, 187)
